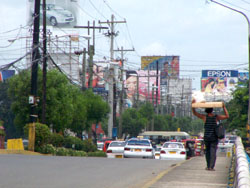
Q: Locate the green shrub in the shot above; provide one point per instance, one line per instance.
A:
(88, 146)
(97, 154)
(47, 149)
(62, 152)
(42, 134)
(73, 142)
(77, 153)
(56, 140)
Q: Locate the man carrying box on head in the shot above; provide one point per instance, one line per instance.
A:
(211, 140)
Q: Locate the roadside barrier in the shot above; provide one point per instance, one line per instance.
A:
(15, 144)
(241, 171)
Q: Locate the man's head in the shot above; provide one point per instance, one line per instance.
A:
(209, 110)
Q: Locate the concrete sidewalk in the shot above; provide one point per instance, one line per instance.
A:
(192, 174)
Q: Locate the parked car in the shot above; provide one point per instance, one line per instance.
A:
(138, 148)
(116, 149)
(173, 151)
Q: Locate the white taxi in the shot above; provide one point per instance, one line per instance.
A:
(115, 149)
(138, 148)
(173, 151)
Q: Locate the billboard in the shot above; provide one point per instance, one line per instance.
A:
(98, 83)
(219, 81)
(146, 83)
(243, 76)
(168, 65)
(5, 74)
(59, 13)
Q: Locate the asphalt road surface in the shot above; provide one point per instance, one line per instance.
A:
(23, 171)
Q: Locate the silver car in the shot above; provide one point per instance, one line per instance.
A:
(173, 151)
(138, 148)
(115, 149)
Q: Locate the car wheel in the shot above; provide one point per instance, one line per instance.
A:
(53, 21)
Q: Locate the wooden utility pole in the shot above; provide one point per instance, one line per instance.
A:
(83, 78)
(157, 85)
(34, 69)
(91, 52)
(122, 89)
(44, 64)
(111, 34)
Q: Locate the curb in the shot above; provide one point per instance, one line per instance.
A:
(23, 152)
(161, 174)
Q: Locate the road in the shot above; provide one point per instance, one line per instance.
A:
(22, 171)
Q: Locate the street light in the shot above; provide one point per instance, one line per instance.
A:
(248, 115)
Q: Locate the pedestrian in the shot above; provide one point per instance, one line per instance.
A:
(211, 140)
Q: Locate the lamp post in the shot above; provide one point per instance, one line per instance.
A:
(248, 22)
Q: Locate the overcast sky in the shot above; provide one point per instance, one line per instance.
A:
(204, 35)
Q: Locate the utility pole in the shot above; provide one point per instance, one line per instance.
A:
(34, 69)
(148, 96)
(91, 52)
(111, 34)
(157, 85)
(84, 69)
(122, 89)
(44, 64)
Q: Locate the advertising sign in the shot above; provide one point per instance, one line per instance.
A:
(59, 13)
(167, 65)
(243, 76)
(145, 88)
(5, 74)
(98, 78)
(219, 81)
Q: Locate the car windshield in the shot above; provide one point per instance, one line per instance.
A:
(172, 145)
(58, 8)
(139, 142)
(117, 144)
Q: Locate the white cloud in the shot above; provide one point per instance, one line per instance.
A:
(155, 48)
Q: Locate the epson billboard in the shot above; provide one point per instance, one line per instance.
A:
(219, 73)
(219, 81)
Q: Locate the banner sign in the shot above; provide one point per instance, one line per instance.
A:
(219, 73)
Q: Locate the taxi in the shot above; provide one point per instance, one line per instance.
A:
(115, 149)
(138, 148)
(173, 151)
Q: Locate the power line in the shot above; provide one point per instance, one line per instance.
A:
(97, 9)
(235, 5)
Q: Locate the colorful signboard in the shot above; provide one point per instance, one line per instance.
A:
(219, 81)
(167, 65)
(98, 77)
(146, 83)
(5, 74)
(59, 13)
(243, 76)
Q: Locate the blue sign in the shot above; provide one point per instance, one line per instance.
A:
(114, 132)
(219, 73)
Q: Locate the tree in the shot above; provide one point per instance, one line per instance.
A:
(97, 109)
(5, 111)
(59, 104)
(160, 123)
(147, 111)
(79, 122)
(133, 122)
(238, 109)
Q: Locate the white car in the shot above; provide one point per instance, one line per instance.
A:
(173, 151)
(56, 14)
(115, 149)
(138, 148)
